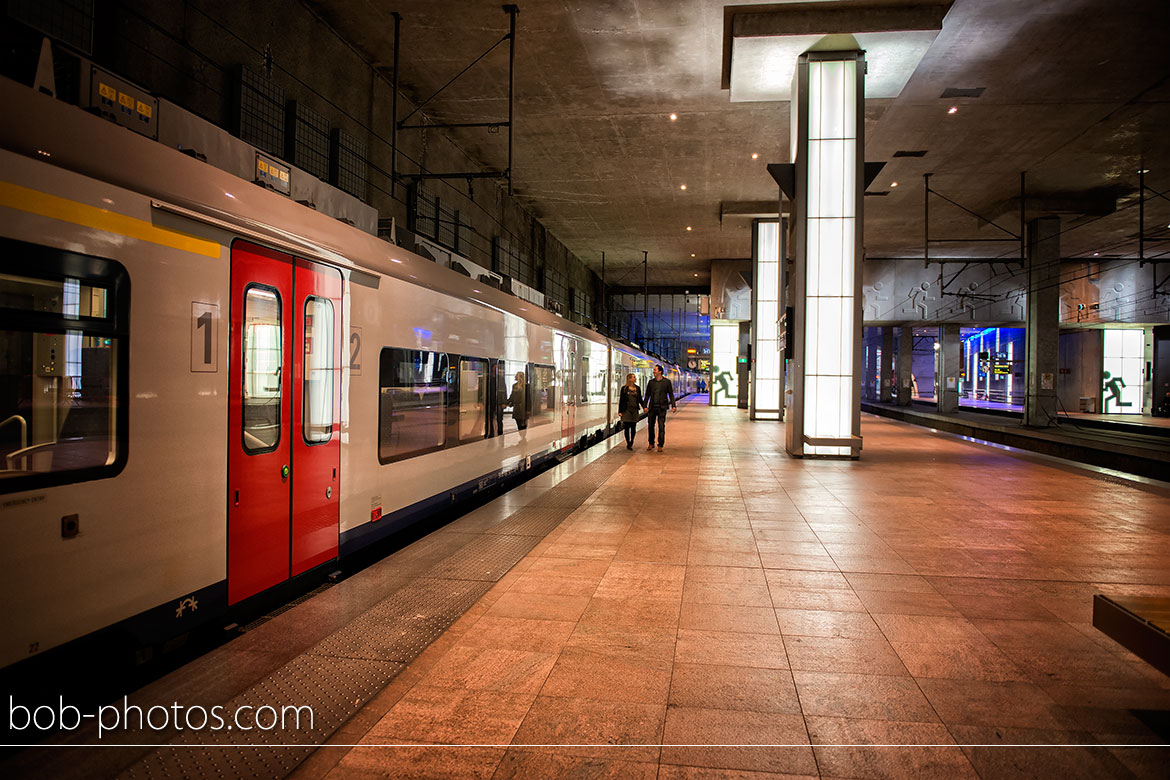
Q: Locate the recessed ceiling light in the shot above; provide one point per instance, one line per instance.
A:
(692, 254)
(755, 156)
(696, 276)
(682, 186)
(893, 184)
(673, 117)
(395, 260)
(953, 110)
(1096, 254)
(688, 227)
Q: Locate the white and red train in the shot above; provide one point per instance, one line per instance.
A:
(207, 390)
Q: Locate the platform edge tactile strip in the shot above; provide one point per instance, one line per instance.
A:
(342, 672)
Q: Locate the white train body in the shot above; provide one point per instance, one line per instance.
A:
(150, 441)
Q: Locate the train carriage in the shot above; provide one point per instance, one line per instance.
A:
(210, 390)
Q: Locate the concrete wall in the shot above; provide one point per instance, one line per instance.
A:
(1090, 293)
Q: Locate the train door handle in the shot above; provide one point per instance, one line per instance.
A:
(329, 492)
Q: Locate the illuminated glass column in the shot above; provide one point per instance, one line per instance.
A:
(828, 123)
(767, 373)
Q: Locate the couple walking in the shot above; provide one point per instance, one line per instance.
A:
(659, 395)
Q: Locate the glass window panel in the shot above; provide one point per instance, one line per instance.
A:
(412, 403)
(542, 396)
(472, 398)
(58, 415)
(67, 297)
(512, 388)
(319, 370)
(263, 363)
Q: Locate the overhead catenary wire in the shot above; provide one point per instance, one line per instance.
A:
(496, 221)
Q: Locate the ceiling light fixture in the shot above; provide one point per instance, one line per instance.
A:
(696, 276)
(953, 110)
(893, 184)
(1096, 254)
(688, 227)
(755, 156)
(673, 117)
(682, 186)
(692, 254)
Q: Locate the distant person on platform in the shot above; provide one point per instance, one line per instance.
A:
(630, 408)
(518, 400)
(659, 395)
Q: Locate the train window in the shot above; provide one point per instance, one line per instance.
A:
(542, 395)
(412, 403)
(513, 391)
(263, 363)
(319, 367)
(63, 367)
(472, 398)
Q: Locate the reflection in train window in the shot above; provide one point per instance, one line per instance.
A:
(62, 367)
(263, 363)
(69, 298)
(542, 395)
(472, 398)
(318, 368)
(507, 389)
(412, 403)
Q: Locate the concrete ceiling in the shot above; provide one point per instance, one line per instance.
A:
(1075, 92)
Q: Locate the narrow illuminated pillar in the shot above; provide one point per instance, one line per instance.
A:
(824, 415)
(766, 374)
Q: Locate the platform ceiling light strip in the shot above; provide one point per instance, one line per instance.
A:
(14, 196)
(831, 197)
(766, 371)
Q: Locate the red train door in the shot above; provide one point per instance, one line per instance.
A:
(283, 442)
(316, 412)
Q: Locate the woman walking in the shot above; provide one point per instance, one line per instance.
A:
(630, 408)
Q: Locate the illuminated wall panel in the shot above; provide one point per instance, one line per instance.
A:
(724, 354)
(1121, 371)
(766, 372)
(830, 338)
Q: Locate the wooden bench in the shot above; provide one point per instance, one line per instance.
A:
(1140, 624)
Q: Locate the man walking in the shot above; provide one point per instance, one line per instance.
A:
(659, 395)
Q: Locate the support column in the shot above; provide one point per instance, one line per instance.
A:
(886, 393)
(1043, 322)
(949, 366)
(905, 364)
(828, 128)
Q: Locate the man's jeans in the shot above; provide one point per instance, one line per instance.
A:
(658, 414)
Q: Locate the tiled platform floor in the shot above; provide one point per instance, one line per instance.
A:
(935, 595)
